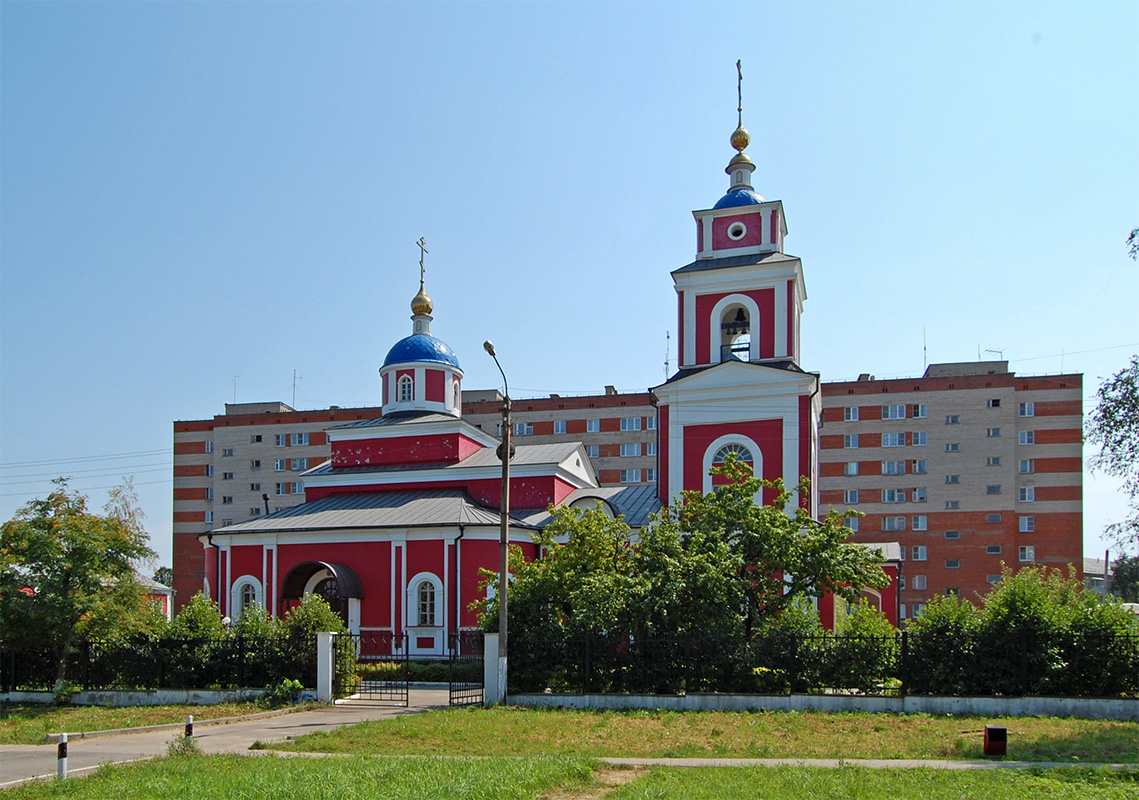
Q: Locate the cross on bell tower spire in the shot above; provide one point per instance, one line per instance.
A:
(421, 305)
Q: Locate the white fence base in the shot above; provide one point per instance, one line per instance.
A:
(1078, 707)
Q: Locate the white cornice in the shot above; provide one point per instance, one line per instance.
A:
(412, 428)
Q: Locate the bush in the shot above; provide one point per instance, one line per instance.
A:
(283, 693)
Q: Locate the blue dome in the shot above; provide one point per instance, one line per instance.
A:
(420, 347)
(739, 197)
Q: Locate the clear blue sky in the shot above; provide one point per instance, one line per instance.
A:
(196, 191)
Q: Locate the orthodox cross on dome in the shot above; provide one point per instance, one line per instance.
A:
(422, 251)
(740, 93)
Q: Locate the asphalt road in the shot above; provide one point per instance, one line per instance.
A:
(21, 762)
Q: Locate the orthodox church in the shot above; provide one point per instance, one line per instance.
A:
(398, 523)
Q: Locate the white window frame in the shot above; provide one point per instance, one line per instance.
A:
(1026, 554)
(920, 411)
(236, 608)
(851, 524)
(893, 496)
(651, 449)
(1027, 466)
(894, 439)
(993, 549)
(953, 447)
(850, 414)
(298, 464)
(413, 616)
(920, 523)
(1027, 438)
(850, 497)
(281, 440)
(1027, 524)
(522, 429)
(280, 464)
(919, 552)
(993, 488)
(210, 517)
(1026, 410)
(894, 523)
(630, 476)
(593, 450)
(918, 583)
(405, 389)
(1027, 494)
(650, 476)
(994, 402)
(993, 433)
(593, 426)
(953, 419)
(919, 467)
(630, 423)
(953, 563)
(953, 479)
(952, 505)
(897, 411)
(850, 469)
(651, 423)
(559, 427)
(631, 450)
(919, 439)
(897, 467)
(209, 445)
(993, 461)
(919, 495)
(850, 441)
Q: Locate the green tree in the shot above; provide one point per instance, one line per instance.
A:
(783, 553)
(164, 575)
(67, 575)
(1125, 579)
(198, 619)
(1114, 427)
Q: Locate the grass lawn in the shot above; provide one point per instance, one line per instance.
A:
(29, 723)
(515, 731)
(856, 783)
(234, 777)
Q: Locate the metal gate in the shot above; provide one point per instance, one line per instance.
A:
(466, 668)
(373, 666)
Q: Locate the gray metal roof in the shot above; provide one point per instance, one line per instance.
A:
(636, 503)
(701, 264)
(375, 510)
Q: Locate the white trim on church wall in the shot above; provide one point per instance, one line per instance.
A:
(235, 593)
(716, 336)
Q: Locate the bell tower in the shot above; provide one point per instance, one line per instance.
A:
(740, 387)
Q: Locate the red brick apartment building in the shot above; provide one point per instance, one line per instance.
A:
(967, 467)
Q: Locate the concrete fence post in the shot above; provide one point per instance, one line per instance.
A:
(325, 665)
(491, 693)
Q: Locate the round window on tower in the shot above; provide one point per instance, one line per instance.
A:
(737, 231)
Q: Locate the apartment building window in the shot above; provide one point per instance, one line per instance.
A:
(225, 523)
(281, 440)
(255, 511)
(651, 449)
(953, 447)
(952, 505)
(300, 439)
(630, 423)
(893, 440)
(227, 476)
(851, 523)
(209, 470)
(992, 433)
(298, 464)
(918, 609)
(992, 518)
(282, 488)
(850, 441)
(254, 438)
(559, 426)
(295, 487)
(893, 467)
(894, 412)
(1026, 409)
(952, 563)
(630, 476)
(227, 452)
(995, 403)
(1027, 554)
(920, 523)
(893, 523)
(919, 411)
(254, 487)
(953, 479)
(918, 439)
(993, 550)
(901, 610)
(630, 450)
(280, 465)
(1027, 466)
(210, 517)
(209, 449)
(919, 552)
(1028, 524)
(901, 583)
(850, 497)
(1028, 494)
(592, 426)
(919, 467)
(227, 499)
(650, 475)
(919, 495)
(850, 469)
(209, 493)
(993, 488)
(593, 450)
(992, 579)
(523, 429)
(918, 583)
(993, 461)
(850, 414)
(953, 419)
(1028, 437)
(650, 423)
(893, 495)
(255, 464)
(953, 534)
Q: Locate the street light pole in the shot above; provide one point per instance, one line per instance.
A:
(504, 527)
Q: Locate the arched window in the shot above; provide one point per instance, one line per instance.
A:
(735, 332)
(425, 602)
(742, 454)
(244, 594)
(248, 598)
(456, 396)
(406, 389)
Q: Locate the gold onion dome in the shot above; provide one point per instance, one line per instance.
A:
(421, 303)
(740, 138)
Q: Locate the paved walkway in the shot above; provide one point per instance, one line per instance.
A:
(19, 763)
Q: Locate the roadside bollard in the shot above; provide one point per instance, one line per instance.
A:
(61, 757)
(996, 740)
(190, 726)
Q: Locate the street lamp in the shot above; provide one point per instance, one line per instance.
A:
(504, 525)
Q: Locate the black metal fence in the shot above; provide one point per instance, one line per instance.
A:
(899, 664)
(465, 668)
(164, 663)
(373, 666)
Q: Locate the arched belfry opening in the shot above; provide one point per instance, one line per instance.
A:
(735, 334)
